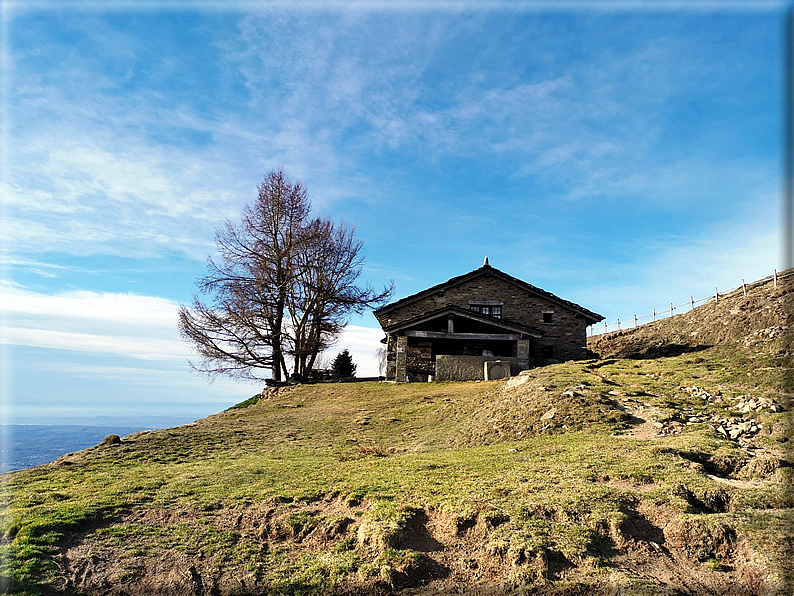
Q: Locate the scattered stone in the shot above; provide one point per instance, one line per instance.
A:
(763, 335)
(737, 429)
(574, 390)
(700, 392)
(549, 415)
(520, 379)
(747, 403)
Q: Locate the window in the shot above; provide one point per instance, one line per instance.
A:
(492, 308)
(548, 316)
(547, 351)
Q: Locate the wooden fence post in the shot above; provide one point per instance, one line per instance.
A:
(635, 321)
(775, 276)
(716, 296)
(654, 314)
(618, 324)
(744, 288)
(605, 326)
(671, 309)
(691, 303)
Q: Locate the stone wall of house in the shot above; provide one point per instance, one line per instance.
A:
(518, 305)
(391, 357)
(566, 335)
(419, 357)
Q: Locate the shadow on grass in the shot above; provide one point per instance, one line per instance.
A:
(665, 351)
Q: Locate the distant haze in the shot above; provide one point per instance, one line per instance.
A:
(25, 446)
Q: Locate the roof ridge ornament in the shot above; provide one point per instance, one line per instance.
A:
(485, 263)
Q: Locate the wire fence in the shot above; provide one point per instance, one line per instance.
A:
(666, 313)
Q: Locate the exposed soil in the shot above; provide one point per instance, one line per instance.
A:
(678, 557)
(643, 423)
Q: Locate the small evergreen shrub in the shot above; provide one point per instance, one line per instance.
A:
(343, 365)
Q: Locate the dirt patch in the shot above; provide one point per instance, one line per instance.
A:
(431, 551)
(418, 536)
(682, 555)
(176, 551)
(151, 551)
(643, 424)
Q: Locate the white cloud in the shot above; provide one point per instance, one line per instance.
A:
(362, 343)
(85, 170)
(131, 347)
(33, 200)
(141, 327)
(90, 308)
(128, 325)
(86, 200)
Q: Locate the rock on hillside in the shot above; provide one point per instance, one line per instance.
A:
(764, 313)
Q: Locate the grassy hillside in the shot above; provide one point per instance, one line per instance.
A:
(662, 469)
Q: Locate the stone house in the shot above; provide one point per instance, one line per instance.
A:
(481, 325)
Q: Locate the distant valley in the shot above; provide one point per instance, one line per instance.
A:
(27, 445)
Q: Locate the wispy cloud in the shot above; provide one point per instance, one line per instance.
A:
(118, 153)
(127, 325)
(131, 347)
(140, 327)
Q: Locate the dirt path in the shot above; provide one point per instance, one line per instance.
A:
(644, 424)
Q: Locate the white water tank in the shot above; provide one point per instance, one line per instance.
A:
(496, 369)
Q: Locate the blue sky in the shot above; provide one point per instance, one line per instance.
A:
(620, 156)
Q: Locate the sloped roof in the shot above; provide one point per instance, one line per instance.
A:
(468, 314)
(590, 316)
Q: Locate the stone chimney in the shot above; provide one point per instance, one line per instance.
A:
(485, 263)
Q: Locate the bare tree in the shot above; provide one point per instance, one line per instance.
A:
(328, 292)
(241, 329)
(283, 289)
